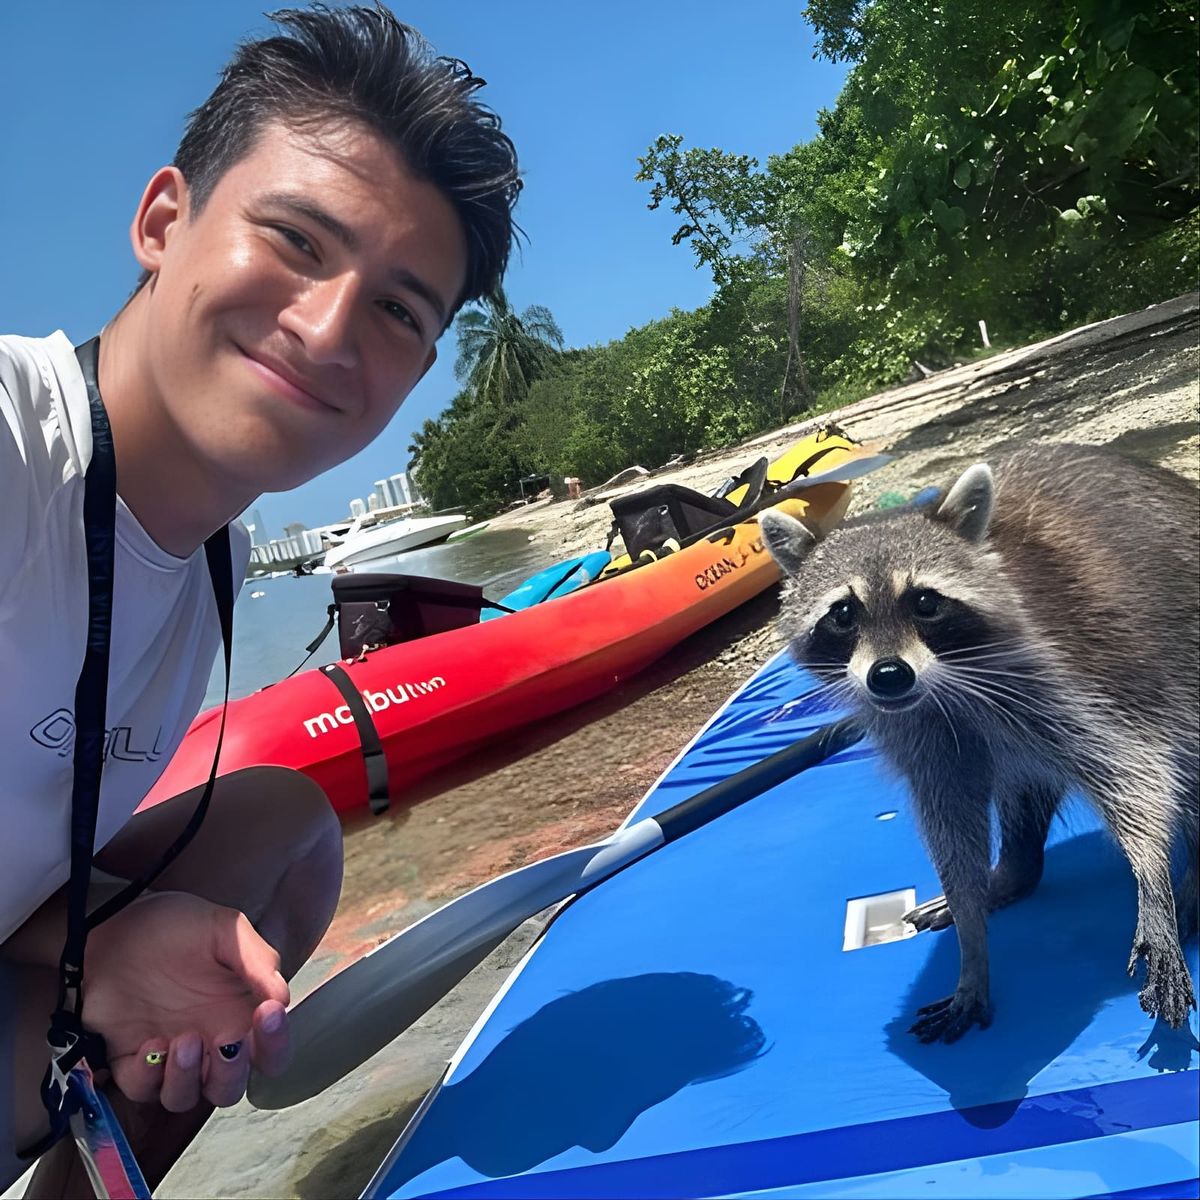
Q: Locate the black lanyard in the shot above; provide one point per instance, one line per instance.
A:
(69, 1040)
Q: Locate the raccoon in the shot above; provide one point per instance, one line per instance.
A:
(1031, 631)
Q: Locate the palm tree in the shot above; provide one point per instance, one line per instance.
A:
(501, 354)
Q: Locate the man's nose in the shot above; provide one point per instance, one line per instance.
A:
(323, 320)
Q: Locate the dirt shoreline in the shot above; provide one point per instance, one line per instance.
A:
(1130, 382)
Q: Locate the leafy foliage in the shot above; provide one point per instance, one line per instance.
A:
(1031, 165)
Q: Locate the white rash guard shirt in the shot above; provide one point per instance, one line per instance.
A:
(165, 631)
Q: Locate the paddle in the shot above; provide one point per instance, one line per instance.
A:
(347, 1019)
(855, 468)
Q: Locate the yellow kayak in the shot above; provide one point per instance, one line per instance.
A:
(823, 508)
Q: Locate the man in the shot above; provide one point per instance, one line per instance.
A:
(332, 204)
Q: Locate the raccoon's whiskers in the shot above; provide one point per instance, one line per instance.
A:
(967, 700)
(1009, 685)
(832, 687)
(999, 698)
(983, 646)
(1012, 663)
(828, 689)
(949, 723)
(1008, 681)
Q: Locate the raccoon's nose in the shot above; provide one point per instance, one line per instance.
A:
(891, 678)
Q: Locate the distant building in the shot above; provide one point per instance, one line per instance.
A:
(294, 529)
(388, 495)
(373, 504)
(257, 528)
(400, 488)
(357, 508)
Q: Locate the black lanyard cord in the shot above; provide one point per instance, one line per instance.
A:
(91, 692)
(69, 1040)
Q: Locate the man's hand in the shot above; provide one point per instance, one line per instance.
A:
(177, 978)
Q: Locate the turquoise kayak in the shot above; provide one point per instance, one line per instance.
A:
(729, 1016)
(555, 581)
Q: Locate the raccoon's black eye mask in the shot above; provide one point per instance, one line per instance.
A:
(927, 603)
(841, 617)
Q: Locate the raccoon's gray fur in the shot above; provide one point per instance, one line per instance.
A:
(1032, 632)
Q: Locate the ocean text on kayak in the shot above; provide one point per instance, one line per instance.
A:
(727, 565)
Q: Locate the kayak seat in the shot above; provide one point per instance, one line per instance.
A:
(647, 519)
(385, 610)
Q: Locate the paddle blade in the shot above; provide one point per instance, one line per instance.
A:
(340, 1024)
(855, 468)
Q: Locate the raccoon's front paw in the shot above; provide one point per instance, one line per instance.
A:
(933, 914)
(1167, 992)
(947, 1020)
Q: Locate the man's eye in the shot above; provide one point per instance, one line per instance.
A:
(401, 313)
(927, 603)
(842, 614)
(297, 239)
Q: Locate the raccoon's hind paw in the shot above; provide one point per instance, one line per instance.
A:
(947, 1020)
(933, 914)
(1167, 992)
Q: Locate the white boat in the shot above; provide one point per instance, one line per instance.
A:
(362, 545)
(470, 531)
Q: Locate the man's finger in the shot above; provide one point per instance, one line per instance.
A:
(181, 1074)
(271, 1044)
(140, 1076)
(228, 1072)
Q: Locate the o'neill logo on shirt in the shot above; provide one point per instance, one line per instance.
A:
(57, 732)
(400, 693)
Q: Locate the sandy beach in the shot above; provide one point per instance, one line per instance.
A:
(1130, 382)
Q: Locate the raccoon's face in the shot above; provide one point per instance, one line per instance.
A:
(885, 619)
(887, 605)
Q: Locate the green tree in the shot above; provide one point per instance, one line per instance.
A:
(500, 353)
(1021, 155)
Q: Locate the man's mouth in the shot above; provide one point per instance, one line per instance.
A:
(285, 382)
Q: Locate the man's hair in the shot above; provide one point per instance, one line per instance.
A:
(362, 64)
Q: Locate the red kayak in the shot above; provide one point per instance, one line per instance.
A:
(427, 702)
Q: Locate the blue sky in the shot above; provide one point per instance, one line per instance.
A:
(94, 93)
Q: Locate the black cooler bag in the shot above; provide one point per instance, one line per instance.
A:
(383, 610)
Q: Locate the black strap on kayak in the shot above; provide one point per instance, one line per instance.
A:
(315, 644)
(368, 738)
(69, 1041)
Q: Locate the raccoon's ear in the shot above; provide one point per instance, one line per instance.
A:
(788, 540)
(967, 508)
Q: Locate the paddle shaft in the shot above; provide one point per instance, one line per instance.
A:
(752, 781)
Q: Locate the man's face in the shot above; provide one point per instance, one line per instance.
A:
(291, 316)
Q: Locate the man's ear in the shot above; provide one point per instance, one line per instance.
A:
(967, 508)
(788, 540)
(163, 207)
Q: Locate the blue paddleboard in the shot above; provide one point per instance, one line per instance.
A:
(553, 582)
(695, 1025)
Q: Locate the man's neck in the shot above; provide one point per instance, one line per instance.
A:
(164, 483)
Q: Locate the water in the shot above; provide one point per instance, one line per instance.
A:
(271, 631)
